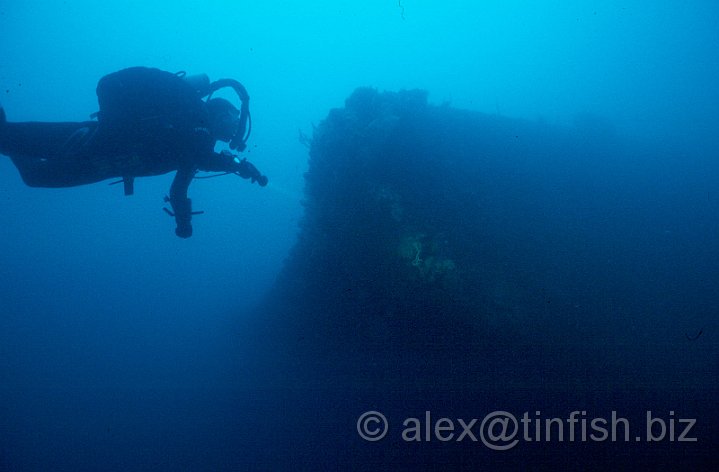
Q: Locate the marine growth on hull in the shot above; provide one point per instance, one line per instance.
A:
(414, 230)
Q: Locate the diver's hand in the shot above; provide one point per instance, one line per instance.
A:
(248, 171)
(184, 231)
(182, 208)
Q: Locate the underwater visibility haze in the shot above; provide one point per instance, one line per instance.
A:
(490, 240)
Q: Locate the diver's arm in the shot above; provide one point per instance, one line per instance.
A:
(181, 205)
(228, 162)
(246, 170)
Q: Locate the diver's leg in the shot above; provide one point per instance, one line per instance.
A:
(54, 173)
(51, 154)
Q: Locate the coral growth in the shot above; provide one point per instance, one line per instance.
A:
(421, 252)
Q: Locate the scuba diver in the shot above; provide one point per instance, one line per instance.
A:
(150, 122)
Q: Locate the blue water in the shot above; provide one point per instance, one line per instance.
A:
(123, 347)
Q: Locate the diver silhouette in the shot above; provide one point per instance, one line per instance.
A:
(149, 122)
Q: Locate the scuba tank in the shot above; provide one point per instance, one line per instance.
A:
(199, 82)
